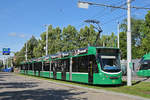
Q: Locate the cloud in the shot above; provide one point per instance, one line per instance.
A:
(22, 35)
(12, 34)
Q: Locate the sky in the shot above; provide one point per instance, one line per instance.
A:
(20, 19)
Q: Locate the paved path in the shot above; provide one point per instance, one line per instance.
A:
(138, 79)
(16, 87)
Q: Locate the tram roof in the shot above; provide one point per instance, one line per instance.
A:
(147, 56)
(64, 54)
(106, 48)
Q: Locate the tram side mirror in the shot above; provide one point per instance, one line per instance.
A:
(131, 65)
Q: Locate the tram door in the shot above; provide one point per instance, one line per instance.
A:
(63, 63)
(90, 69)
(54, 69)
(34, 68)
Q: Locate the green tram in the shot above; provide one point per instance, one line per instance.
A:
(144, 67)
(92, 65)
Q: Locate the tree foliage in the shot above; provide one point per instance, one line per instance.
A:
(69, 38)
(62, 40)
(31, 44)
(140, 32)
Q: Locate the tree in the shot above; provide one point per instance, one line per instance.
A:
(20, 56)
(136, 27)
(31, 44)
(86, 36)
(146, 35)
(123, 44)
(69, 35)
(54, 40)
(39, 50)
(108, 40)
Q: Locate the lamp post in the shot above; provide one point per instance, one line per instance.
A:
(129, 56)
(46, 40)
(118, 27)
(26, 54)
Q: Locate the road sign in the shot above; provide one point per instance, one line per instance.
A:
(6, 51)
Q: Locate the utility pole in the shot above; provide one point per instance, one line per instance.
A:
(118, 33)
(26, 55)
(129, 53)
(129, 56)
(11, 62)
(7, 61)
(3, 60)
(46, 40)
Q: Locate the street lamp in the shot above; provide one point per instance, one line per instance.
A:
(83, 4)
(129, 53)
(26, 52)
(46, 48)
(118, 27)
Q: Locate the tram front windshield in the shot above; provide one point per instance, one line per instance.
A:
(110, 63)
(145, 65)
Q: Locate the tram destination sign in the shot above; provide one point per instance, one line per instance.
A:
(6, 51)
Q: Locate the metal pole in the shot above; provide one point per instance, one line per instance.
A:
(7, 61)
(50, 69)
(42, 66)
(26, 55)
(47, 40)
(118, 33)
(70, 72)
(3, 60)
(11, 62)
(128, 44)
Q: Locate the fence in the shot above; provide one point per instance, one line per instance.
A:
(134, 69)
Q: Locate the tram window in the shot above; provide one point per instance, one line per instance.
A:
(92, 59)
(66, 64)
(26, 67)
(33, 66)
(21, 67)
(81, 64)
(58, 65)
(46, 66)
(52, 66)
(145, 65)
(75, 64)
(30, 66)
(39, 66)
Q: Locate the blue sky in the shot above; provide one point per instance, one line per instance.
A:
(20, 19)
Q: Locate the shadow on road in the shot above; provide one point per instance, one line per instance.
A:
(1, 80)
(3, 74)
(140, 81)
(41, 94)
(18, 85)
(5, 84)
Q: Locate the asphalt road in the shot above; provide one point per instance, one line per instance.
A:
(17, 87)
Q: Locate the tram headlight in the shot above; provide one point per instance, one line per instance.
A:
(105, 75)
